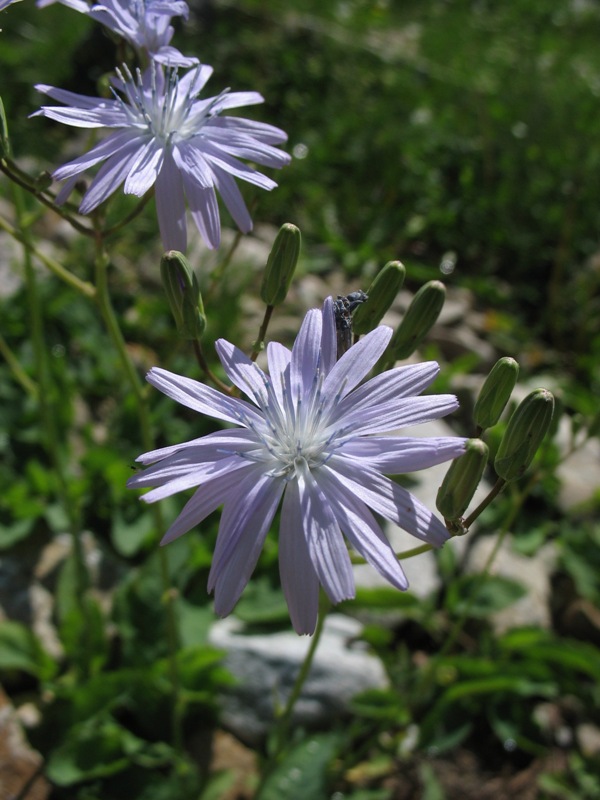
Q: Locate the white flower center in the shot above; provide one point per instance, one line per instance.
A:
(297, 437)
(161, 109)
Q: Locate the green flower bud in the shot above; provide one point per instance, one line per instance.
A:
(281, 265)
(461, 480)
(495, 393)
(183, 293)
(43, 181)
(419, 319)
(524, 433)
(381, 294)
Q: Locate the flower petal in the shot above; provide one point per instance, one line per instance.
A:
(203, 398)
(226, 443)
(144, 172)
(242, 371)
(356, 362)
(110, 176)
(363, 532)
(306, 354)
(111, 146)
(204, 501)
(233, 199)
(326, 546)
(388, 499)
(170, 206)
(395, 414)
(394, 455)
(328, 338)
(299, 580)
(245, 521)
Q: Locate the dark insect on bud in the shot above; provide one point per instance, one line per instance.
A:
(342, 309)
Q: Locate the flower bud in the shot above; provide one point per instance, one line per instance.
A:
(524, 433)
(381, 294)
(495, 393)
(281, 265)
(461, 480)
(183, 293)
(419, 319)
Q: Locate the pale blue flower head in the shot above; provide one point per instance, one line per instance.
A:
(146, 25)
(77, 5)
(169, 138)
(313, 439)
(5, 3)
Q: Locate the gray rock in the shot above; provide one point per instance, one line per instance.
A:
(266, 667)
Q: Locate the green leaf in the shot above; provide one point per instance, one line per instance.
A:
(219, 785)
(381, 704)
(380, 598)
(302, 774)
(480, 598)
(96, 748)
(15, 532)
(20, 650)
(129, 537)
(262, 604)
(432, 788)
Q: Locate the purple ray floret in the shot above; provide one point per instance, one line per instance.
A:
(308, 436)
(168, 138)
(145, 24)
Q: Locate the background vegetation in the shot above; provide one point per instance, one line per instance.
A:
(425, 131)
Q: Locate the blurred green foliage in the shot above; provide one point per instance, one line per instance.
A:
(418, 129)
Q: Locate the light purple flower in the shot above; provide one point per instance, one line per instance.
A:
(312, 436)
(76, 5)
(146, 25)
(5, 3)
(169, 138)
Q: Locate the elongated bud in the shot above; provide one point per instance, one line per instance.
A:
(524, 433)
(281, 265)
(461, 480)
(183, 294)
(495, 393)
(381, 293)
(419, 319)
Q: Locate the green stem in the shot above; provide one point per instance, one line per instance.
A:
(17, 370)
(494, 492)
(83, 287)
(203, 364)
(24, 181)
(131, 216)
(258, 345)
(141, 397)
(48, 412)
(507, 525)
(283, 722)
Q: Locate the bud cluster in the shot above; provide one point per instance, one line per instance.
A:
(523, 436)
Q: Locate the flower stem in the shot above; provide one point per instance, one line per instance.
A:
(203, 363)
(258, 345)
(141, 397)
(494, 492)
(24, 181)
(282, 725)
(17, 370)
(47, 398)
(83, 287)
